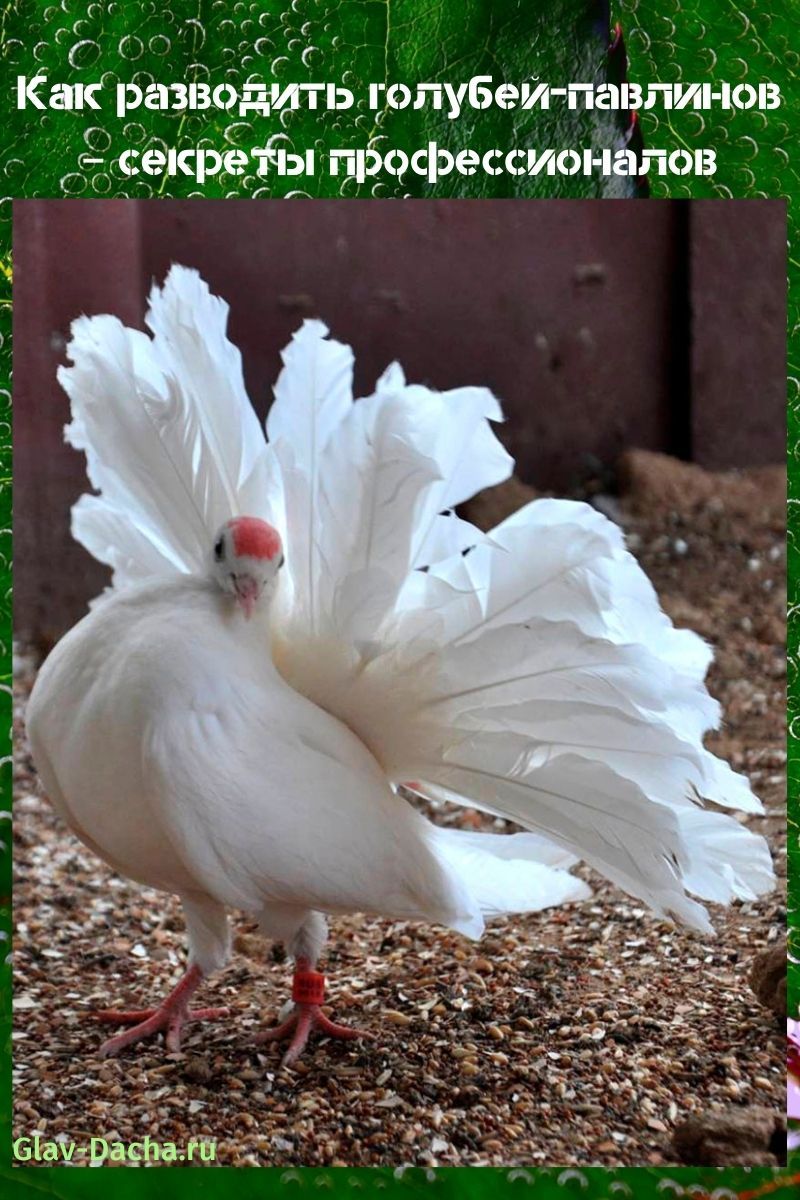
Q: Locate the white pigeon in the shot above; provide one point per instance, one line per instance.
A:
(234, 729)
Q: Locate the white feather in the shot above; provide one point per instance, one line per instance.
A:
(506, 872)
(313, 394)
(171, 440)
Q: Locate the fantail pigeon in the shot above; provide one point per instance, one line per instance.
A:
(299, 624)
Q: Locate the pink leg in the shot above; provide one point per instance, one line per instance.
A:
(307, 1016)
(171, 1015)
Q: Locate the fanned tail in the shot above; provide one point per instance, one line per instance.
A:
(530, 672)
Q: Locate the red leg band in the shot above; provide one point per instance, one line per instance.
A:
(308, 987)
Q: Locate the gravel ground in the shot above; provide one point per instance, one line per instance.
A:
(577, 1036)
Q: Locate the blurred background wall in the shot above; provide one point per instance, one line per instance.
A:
(600, 326)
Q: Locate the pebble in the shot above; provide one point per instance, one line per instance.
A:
(396, 1018)
(198, 1070)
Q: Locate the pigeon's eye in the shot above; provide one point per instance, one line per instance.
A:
(219, 549)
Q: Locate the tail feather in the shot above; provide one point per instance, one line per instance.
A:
(190, 345)
(505, 872)
(621, 833)
(370, 486)
(171, 441)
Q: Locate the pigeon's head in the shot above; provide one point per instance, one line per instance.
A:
(247, 556)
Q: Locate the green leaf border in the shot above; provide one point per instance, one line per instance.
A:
(656, 52)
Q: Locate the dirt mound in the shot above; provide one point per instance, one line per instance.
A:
(735, 1137)
(654, 482)
(768, 978)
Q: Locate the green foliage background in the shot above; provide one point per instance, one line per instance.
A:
(356, 42)
(305, 41)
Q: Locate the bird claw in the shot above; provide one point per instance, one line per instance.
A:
(299, 1025)
(153, 1021)
(171, 1015)
(133, 1016)
(146, 1022)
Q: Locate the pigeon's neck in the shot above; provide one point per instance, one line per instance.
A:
(234, 618)
(252, 634)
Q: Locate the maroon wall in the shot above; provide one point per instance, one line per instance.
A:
(738, 361)
(599, 326)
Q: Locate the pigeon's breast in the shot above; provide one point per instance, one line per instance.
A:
(96, 697)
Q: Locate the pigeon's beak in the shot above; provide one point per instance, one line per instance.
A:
(246, 594)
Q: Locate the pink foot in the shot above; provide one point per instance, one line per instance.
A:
(300, 1023)
(308, 992)
(171, 1015)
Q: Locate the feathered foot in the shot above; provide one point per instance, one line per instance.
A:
(308, 993)
(171, 1015)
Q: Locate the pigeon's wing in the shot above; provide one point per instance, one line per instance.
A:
(267, 799)
(285, 808)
